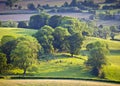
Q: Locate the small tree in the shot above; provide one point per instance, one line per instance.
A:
(22, 24)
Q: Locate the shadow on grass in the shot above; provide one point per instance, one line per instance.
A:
(115, 52)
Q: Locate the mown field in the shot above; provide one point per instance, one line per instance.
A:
(62, 65)
(53, 83)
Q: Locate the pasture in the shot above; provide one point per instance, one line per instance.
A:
(16, 32)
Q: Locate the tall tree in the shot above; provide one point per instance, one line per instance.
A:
(25, 53)
(75, 43)
(45, 38)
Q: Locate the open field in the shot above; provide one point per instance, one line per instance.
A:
(53, 83)
(16, 31)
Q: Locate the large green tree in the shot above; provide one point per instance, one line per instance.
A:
(54, 21)
(96, 60)
(75, 43)
(60, 34)
(25, 53)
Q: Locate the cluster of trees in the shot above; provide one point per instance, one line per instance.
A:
(19, 52)
(59, 40)
(55, 34)
(86, 4)
(105, 32)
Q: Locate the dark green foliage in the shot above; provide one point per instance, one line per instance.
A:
(22, 24)
(31, 6)
(54, 21)
(97, 57)
(75, 43)
(8, 44)
(60, 34)
(38, 21)
(3, 62)
(45, 38)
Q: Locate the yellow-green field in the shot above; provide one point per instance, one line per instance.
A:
(16, 32)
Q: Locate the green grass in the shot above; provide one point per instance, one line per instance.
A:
(62, 66)
(16, 32)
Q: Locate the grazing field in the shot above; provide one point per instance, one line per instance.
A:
(53, 83)
(15, 32)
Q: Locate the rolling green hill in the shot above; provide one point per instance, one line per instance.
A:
(62, 65)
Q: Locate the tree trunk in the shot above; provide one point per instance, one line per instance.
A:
(24, 73)
(71, 55)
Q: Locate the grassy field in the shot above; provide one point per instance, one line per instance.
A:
(62, 65)
(16, 32)
(53, 83)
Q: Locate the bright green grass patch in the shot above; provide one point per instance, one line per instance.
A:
(16, 32)
(112, 72)
(113, 45)
(64, 67)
